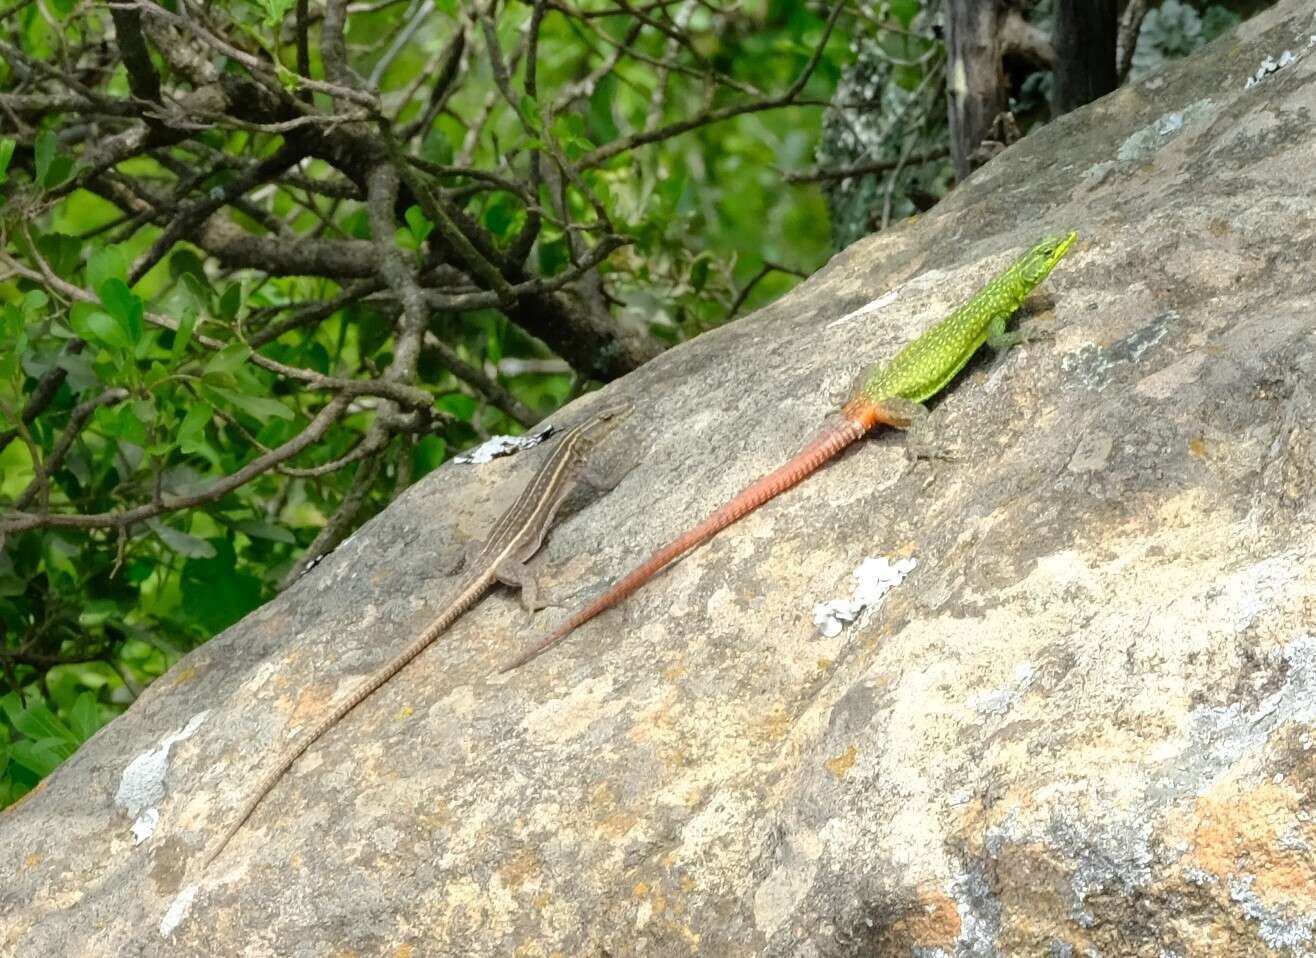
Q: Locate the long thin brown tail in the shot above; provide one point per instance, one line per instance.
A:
(467, 597)
(834, 437)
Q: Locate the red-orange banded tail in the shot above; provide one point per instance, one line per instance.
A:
(835, 436)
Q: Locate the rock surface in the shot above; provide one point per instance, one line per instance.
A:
(1085, 724)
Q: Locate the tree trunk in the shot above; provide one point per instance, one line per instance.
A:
(975, 78)
(1085, 37)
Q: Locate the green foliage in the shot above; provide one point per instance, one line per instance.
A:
(35, 738)
(6, 155)
(1176, 29)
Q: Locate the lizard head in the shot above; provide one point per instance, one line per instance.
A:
(1040, 260)
(607, 419)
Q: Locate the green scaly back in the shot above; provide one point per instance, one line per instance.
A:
(922, 368)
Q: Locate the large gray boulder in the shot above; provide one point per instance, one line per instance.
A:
(1084, 724)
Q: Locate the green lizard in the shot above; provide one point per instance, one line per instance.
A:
(889, 395)
(516, 537)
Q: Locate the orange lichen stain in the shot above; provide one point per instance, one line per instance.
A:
(824, 664)
(1197, 447)
(688, 884)
(609, 817)
(694, 795)
(674, 671)
(533, 949)
(842, 764)
(675, 757)
(32, 860)
(640, 889)
(933, 921)
(771, 728)
(541, 901)
(403, 951)
(520, 868)
(1251, 832)
(184, 676)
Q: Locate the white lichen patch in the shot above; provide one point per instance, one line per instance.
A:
(999, 701)
(1254, 590)
(142, 783)
(177, 911)
(874, 578)
(1142, 143)
(1268, 66)
(778, 895)
(496, 446)
(1284, 928)
(562, 719)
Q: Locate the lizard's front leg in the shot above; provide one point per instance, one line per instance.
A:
(921, 440)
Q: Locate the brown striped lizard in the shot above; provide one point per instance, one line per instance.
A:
(890, 395)
(516, 537)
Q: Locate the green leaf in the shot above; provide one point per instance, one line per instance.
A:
(183, 543)
(129, 426)
(530, 110)
(275, 11)
(227, 360)
(553, 253)
(6, 154)
(37, 721)
(80, 371)
(124, 305)
(192, 433)
(602, 102)
(97, 326)
(34, 301)
(56, 167)
(428, 455)
(569, 125)
(44, 154)
(230, 302)
(436, 147)
(420, 227)
(1215, 21)
(97, 612)
(85, 717)
(258, 407)
(40, 757)
(183, 336)
(62, 252)
(144, 409)
(699, 272)
(184, 262)
(501, 213)
(260, 529)
(106, 264)
(215, 594)
(195, 421)
(905, 11)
